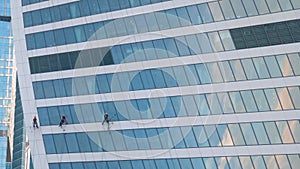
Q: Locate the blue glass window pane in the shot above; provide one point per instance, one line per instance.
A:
(273, 66)
(180, 76)
(285, 98)
(197, 163)
(151, 22)
(59, 88)
(261, 67)
(142, 141)
(89, 165)
(271, 162)
(237, 70)
(185, 162)
(49, 39)
(210, 163)
(66, 165)
(202, 104)
(272, 98)
(74, 10)
(59, 37)
(214, 72)
(48, 89)
(204, 42)
(147, 80)
(89, 31)
(55, 14)
(43, 116)
(213, 103)
(249, 69)
(141, 22)
(27, 19)
(284, 132)
(84, 8)
(159, 79)
(65, 11)
(71, 142)
(60, 143)
(203, 73)
(40, 39)
(38, 90)
(162, 20)
(53, 115)
(125, 164)
(222, 161)
(153, 139)
(184, 18)
(182, 46)
(272, 132)
(234, 162)
(130, 140)
(172, 17)
(36, 17)
(120, 27)
(149, 50)
(168, 106)
(103, 83)
(194, 15)
(100, 30)
(236, 134)
(192, 75)
(54, 166)
(161, 164)
(258, 162)
(237, 102)
(225, 102)
(149, 164)
(250, 7)
(294, 160)
(77, 165)
(248, 134)
(104, 6)
(49, 144)
(224, 135)
(114, 5)
(30, 41)
(205, 13)
(80, 34)
(260, 133)
(295, 63)
(45, 15)
(137, 164)
(261, 100)
(110, 28)
(284, 65)
(191, 106)
(94, 6)
(189, 137)
(83, 142)
(160, 49)
(113, 165)
(64, 110)
(177, 137)
(100, 165)
(171, 47)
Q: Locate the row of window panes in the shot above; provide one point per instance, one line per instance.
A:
(188, 75)
(265, 35)
(260, 100)
(256, 133)
(214, 11)
(80, 9)
(280, 161)
(109, 29)
(149, 50)
(28, 2)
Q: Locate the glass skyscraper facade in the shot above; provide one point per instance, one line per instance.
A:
(6, 83)
(186, 84)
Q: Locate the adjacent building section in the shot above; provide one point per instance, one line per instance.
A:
(186, 84)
